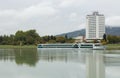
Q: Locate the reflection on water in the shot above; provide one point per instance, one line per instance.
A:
(59, 63)
(95, 65)
(64, 55)
(21, 56)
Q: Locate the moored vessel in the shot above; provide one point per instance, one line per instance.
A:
(58, 45)
(94, 46)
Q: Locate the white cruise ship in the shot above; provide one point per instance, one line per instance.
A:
(59, 45)
(94, 46)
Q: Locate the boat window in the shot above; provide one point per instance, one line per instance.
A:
(86, 45)
(97, 45)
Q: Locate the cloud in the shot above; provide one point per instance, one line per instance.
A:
(27, 18)
(68, 3)
(38, 10)
(82, 26)
(73, 16)
(113, 21)
(42, 9)
(54, 16)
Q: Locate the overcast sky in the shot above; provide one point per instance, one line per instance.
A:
(51, 17)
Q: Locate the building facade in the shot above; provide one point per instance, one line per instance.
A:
(95, 26)
(79, 39)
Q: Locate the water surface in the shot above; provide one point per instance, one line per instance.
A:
(59, 63)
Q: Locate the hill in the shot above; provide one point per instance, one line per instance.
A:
(109, 31)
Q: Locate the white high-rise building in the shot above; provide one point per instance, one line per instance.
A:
(95, 26)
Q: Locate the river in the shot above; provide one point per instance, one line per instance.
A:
(59, 63)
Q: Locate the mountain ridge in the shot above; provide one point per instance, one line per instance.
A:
(109, 31)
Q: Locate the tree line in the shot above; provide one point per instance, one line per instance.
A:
(31, 37)
(113, 39)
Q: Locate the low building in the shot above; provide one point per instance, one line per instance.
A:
(79, 39)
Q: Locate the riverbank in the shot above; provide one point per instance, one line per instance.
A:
(113, 46)
(16, 46)
(108, 46)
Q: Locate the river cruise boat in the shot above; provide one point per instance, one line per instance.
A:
(94, 46)
(64, 45)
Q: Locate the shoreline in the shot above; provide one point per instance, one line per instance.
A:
(108, 46)
(113, 47)
(17, 46)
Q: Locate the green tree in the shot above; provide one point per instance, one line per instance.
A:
(1, 39)
(70, 40)
(19, 37)
(32, 37)
(113, 39)
(66, 36)
(51, 41)
(60, 39)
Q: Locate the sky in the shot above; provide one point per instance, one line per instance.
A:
(52, 17)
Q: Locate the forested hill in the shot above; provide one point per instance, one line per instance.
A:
(109, 31)
(113, 31)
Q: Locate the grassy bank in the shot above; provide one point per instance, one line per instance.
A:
(16, 46)
(108, 46)
(113, 46)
